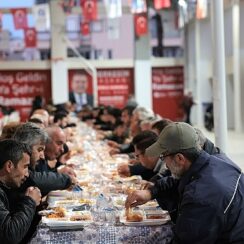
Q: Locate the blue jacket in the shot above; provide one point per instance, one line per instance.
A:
(211, 202)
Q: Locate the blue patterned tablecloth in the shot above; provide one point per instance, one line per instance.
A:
(106, 234)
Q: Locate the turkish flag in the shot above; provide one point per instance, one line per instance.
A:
(20, 18)
(159, 4)
(85, 28)
(30, 37)
(89, 9)
(140, 22)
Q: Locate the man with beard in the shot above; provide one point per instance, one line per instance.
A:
(14, 163)
(36, 138)
(209, 189)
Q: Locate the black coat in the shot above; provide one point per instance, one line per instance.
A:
(14, 223)
(211, 201)
(88, 96)
(47, 179)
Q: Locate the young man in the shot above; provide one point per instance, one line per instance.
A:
(14, 162)
(210, 189)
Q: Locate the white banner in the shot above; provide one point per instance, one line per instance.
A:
(113, 8)
(113, 26)
(138, 6)
(41, 13)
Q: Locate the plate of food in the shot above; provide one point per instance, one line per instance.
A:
(119, 201)
(60, 193)
(66, 203)
(156, 214)
(134, 179)
(153, 204)
(70, 220)
(141, 218)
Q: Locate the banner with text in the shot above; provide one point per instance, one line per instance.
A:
(18, 89)
(114, 85)
(167, 92)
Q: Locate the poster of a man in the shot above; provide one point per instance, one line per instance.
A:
(78, 94)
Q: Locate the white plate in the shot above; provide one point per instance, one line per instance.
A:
(60, 193)
(64, 223)
(119, 201)
(144, 221)
(149, 205)
(64, 203)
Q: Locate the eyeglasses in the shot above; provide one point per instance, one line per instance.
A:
(163, 156)
(138, 154)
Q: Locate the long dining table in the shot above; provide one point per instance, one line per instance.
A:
(96, 174)
(106, 234)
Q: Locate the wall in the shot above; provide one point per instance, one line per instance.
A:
(242, 54)
(206, 58)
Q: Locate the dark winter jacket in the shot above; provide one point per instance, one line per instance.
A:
(211, 201)
(14, 223)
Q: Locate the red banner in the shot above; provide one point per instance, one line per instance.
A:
(89, 9)
(140, 21)
(85, 28)
(167, 92)
(18, 89)
(159, 4)
(114, 85)
(20, 18)
(30, 37)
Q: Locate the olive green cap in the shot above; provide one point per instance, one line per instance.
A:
(174, 138)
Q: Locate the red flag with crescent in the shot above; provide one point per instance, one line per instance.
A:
(89, 9)
(141, 25)
(159, 4)
(30, 37)
(20, 18)
(85, 28)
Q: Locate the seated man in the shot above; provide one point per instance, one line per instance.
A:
(36, 138)
(210, 189)
(148, 166)
(54, 148)
(14, 162)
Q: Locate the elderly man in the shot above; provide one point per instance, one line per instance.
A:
(14, 162)
(54, 148)
(210, 189)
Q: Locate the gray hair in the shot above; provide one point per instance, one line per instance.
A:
(201, 137)
(31, 134)
(144, 113)
(51, 131)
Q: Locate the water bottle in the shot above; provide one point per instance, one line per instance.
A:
(99, 216)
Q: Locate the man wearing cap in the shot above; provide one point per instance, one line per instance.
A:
(209, 189)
